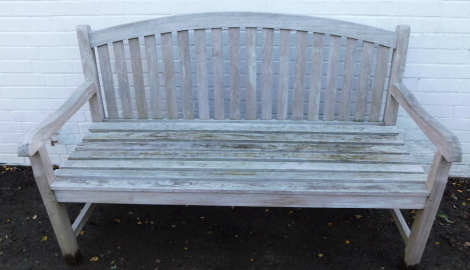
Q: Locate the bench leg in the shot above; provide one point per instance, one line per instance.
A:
(436, 182)
(44, 175)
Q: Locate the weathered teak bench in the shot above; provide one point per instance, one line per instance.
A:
(253, 109)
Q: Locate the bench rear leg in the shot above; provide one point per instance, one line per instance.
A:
(44, 175)
(437, 180)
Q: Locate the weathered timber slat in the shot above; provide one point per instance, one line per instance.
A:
(242, 156)
(258, 126)
(284, 167)
(227, 175)
(252, 146)
(233, 136)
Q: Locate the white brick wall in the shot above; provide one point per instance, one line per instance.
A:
(40, 64)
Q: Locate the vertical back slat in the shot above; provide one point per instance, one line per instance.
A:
(108, 84)
(250, 73)
(315, 78)
(201, 58)
(217, 73)
(283, 74)
(154, 77)
(331, 77)
(234, 47)
(123, 79)
(348, 75)
(267, 75)
(364, 75)
(169, 75)
(186, 84)
(299, 79)
(379, 83)
(138, 75)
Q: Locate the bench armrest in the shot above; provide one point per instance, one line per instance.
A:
(38, 136)
(444, 140)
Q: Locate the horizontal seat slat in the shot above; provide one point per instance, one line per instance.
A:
(242, 136)
(228, 175)
(241, 156)
(245, 165)
(253, 126)
(253, 146)
(243, 187)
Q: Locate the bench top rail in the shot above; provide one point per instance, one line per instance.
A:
(243, 19)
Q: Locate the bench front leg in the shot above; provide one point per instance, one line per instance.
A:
(44, 175)
(437, 180)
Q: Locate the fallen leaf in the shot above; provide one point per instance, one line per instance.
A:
(82, 232)
(158, 261)
(35, 216)
(94, 259)
(113, 267)
(117, 220)
(459, 190)
(444, 217)
(113, 262)
(186, 248)
(266, 210)
(320, 255)
(413, 211)
(252, 259)
(347, 242)
(44, 238)
(437, 243)
(464, 203)
(466, 244)
(291, 212)
(330, 224)
(130, 213)
(139, 222)
(358, 216)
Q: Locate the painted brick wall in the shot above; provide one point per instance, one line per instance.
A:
(40, 65)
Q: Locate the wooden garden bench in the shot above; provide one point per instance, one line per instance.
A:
(243, 109)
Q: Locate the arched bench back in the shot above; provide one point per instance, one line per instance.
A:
(241, 66)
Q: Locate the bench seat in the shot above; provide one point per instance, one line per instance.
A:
(242, 163)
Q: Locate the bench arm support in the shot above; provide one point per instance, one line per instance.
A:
(444, 140)
(41, 133)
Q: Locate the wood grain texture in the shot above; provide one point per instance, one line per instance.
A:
(123, 80)
(82, 218)
(241, 199)
(186, 81)
(331, 78)
(401, 224)
(267, 74)
(283, 91)
(154, 77)
(315, 78)
(217, 73)
(202, 86)
(437, 180)
(169, 74)
(243, 19)
(396, 73)
(444, 140)
(379, 81)
(40, 134)
(234, 51)
(251, 73)
(299, 79)
(348, 75)
(364, 77)
(108, 84)
(138, 75)
(90, 71)
(57, 212)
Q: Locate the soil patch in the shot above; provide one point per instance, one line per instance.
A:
(196, 237)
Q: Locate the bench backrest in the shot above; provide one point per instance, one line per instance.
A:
(244, 66)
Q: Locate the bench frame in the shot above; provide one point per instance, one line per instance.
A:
(33, 146)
